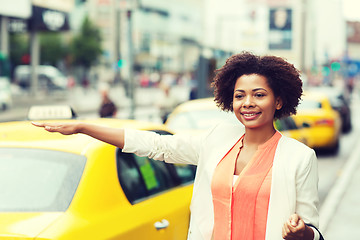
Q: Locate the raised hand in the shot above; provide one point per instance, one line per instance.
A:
(114, 136)
(63, 128)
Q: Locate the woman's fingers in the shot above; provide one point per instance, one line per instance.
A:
(294, 220)
(46, 126)
(37, 124)
(53, 128)
(293, 228)
(63, 128)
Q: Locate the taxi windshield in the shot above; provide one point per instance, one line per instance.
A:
(309, 104)
(202, 119)
(37, 179)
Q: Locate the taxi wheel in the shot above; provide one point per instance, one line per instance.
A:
(335, 149)
(4, 107)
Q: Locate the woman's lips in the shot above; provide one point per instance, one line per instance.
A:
(250, 116)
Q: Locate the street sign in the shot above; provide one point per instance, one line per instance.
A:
(45, 19)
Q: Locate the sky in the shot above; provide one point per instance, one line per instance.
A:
(351, 9)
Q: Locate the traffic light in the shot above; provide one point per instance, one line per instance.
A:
(121, 63)
(335, 66)
(325, 71)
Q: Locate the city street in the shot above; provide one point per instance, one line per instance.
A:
(91, 60)
(337, 173)
(330, 166)
(86, 102)
(338, 176)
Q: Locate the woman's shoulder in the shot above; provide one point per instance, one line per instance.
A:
(293, 144)
(297, 152)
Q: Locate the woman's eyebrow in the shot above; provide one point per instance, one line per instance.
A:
(254, 90)
(257, 89)
(239, 90)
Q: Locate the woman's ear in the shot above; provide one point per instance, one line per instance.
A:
(278, 103)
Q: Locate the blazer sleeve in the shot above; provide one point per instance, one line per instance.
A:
(178, 148)
(307, 199)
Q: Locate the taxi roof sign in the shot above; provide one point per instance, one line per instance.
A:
(51, 112)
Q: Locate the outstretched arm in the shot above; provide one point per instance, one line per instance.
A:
(113, 136)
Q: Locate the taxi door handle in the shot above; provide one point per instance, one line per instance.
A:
(161, 224)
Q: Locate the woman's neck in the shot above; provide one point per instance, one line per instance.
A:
(256, 137)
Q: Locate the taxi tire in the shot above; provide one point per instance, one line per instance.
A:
(334, 149)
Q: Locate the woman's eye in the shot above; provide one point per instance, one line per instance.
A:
(239, 96)
(259, 95)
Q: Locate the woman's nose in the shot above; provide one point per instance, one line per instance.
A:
(248, 101)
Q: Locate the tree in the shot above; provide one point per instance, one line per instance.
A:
(19, 49)
(86, 46)
(52, 49)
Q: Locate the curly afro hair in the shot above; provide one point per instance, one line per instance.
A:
(282, 77)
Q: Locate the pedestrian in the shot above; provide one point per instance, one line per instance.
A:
(251, 183)
(107, 108)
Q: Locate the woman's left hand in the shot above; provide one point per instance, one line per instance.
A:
(296, 229)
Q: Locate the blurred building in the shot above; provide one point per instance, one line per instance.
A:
(306, 32)
(353, 40)
(166, 34)
(9, 9)
(172, 36)
(351, 62)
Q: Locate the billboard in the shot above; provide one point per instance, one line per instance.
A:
(280, 28)
(16, 8)
(42, 20)
(45, 19)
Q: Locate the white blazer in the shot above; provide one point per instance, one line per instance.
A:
(294, 187)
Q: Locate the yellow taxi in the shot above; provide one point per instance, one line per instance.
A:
(289, 128)
(200, 114)
(197, 115)
(76, 187)
(320, 120)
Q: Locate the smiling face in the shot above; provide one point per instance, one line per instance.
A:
(254, 102)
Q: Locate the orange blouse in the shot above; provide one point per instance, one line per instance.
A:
(240, 209)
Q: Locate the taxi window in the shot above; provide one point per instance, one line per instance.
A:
(155, 174)
(185, 173)
(141, 177)
(130, 177)
(279, 125)
(38, 180)
(284, 124)
(290, 123)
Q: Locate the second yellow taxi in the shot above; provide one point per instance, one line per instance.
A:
(320, 120)
(195, 116)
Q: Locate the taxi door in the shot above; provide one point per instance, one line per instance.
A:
(158, 202)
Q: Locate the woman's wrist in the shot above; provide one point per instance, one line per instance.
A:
(80, 128)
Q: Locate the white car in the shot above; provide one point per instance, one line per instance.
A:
(49, 77)
(5, 86)
(5, 93)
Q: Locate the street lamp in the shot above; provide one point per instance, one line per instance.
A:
(128, 6)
